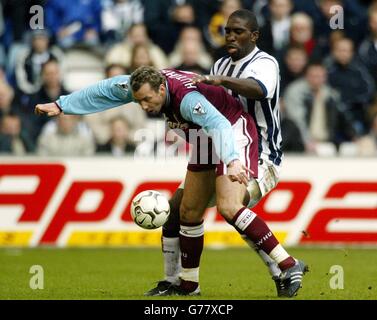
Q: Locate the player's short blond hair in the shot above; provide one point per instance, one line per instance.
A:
(144, 75)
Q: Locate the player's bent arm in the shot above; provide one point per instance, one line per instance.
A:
(106, 94)
(197, 109)
(259, 79)
(249, 88)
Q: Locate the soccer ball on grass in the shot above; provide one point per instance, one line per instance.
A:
(150, 209)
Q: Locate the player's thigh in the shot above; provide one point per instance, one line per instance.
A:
(179, 193)
(230, 196)
(199, 188)
(176, 199)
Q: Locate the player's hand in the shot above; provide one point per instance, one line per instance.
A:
(207, 79)
(50, 109)
(238, 172)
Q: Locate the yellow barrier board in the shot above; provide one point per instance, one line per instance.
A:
(15, 238)
(152, 238)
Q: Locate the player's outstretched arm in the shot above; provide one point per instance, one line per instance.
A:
(50, 109)
(105, 94)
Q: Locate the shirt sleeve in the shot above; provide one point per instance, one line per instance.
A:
(266, 72)
(197, 109)
(106, 94)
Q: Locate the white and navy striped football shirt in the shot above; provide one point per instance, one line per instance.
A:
(263, 68)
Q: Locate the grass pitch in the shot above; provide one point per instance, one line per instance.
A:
(225, 274)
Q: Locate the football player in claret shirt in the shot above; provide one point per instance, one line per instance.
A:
(197, 106)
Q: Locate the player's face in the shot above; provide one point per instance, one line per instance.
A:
(150, 100)
(239, 40)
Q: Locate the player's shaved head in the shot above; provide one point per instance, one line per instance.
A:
(146, 74)
(248, 16)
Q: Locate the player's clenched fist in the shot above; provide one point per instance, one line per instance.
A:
(50, 109)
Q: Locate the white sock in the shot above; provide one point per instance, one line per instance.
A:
(172, 259)
(279, 254)
(190, 274)
(273, 267)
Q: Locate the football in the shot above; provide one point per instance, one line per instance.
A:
(150, 209)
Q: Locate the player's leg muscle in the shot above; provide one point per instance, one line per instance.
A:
(230, 196)
(199, 188)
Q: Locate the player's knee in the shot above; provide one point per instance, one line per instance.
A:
(227, 208)
(189, 213)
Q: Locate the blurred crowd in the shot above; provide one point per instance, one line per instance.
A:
(327, 51)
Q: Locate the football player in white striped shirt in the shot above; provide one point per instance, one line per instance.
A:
(253, 76)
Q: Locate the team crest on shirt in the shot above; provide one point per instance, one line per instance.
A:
(124, 86)
(199, 109)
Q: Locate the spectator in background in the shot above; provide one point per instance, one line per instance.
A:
(351, 78)
(368, 48)
(190, 56)
(293, 66)
(50, 90)
(367, 145)
(120, 142)
(323, 11)
(29, 63)
(7, 102)
(301, 33)
(137, 35)
(13, 139)
(315, 109)
(65, 140)
(117, 17)
(206, 9)
(74, 22)
(99, 123)
(275, 32)
(165, 19)
(16, 25)
(190, 39)
(292, 141)
(216, 28)
(140, 57)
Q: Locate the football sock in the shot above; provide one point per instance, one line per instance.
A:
(257, 231)
(272, 266)
(172, 261)
(191, 238)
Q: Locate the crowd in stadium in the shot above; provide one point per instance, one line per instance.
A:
(327, 57)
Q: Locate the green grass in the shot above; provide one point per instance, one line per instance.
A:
(225, 274)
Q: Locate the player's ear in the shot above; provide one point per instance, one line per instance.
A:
(162, 89)
(254, 36)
